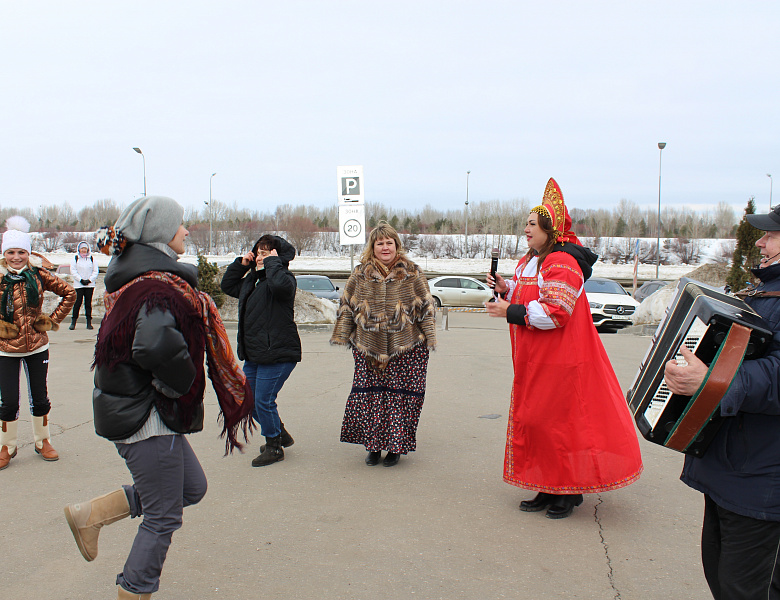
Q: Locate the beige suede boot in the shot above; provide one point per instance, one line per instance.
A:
(86, 519)
(123, 594)
(7, 442)
(42, 436)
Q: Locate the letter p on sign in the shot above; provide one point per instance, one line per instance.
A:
(350, 186)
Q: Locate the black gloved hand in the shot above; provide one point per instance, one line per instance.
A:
(85, 282)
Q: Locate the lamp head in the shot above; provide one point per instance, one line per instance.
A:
(138, 150)
(661, 145)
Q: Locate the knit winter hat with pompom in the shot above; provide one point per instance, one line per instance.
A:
(17, 235)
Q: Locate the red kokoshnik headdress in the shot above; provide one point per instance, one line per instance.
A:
(553, 208)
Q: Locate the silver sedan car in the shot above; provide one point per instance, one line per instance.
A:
(455, 290)
(319, 285)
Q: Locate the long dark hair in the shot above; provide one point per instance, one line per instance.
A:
(545, 224)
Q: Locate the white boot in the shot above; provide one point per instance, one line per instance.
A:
(7, 442)
(42, 436)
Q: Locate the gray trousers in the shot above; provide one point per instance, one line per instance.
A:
(166, 477)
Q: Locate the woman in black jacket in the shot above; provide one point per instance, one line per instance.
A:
(268, 341)
(149, 387)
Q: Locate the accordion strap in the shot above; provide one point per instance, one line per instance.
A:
(755, 293)
(716, 383)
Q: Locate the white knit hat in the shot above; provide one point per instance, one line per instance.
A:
(17, 235)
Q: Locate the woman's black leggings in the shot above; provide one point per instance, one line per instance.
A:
(36, 368)
(83, 294)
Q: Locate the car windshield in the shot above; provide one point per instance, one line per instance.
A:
(320, 285)
(604, 286)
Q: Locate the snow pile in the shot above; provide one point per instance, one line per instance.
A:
(652, 309)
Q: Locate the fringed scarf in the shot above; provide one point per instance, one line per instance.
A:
(202, 328)
(25, 277)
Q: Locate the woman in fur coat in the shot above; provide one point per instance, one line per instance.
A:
(23, 337)
(387, 317)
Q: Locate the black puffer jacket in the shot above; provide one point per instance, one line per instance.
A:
(123, 397)
(267, 333)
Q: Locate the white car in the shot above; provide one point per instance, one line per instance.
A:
(455, 290)
(610, 305)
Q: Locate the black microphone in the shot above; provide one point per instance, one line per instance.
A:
(766, 260)
(494, 265)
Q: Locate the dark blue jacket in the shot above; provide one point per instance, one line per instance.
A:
(740, 470)
(267, 333)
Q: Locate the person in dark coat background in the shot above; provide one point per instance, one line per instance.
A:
(739, 474)
(268, 341)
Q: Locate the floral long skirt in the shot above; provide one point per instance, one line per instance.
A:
(384, 407)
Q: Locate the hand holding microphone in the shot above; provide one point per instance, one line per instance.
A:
(494, 280)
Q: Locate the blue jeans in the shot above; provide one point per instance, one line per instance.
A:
(266, 381)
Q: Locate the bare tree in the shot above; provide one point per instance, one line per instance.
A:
(686, 249)
(49, 240)
(301, 233)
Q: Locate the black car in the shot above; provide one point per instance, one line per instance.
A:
(648, 288)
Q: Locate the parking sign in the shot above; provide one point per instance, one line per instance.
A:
(350, 184)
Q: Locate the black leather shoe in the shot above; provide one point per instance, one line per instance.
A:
(563, 506)
(542, 501)
(391, 459)
(373, 458)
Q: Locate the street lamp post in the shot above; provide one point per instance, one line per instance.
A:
(466, 241)
(144, 158)
(770, 191)
(211, 250)
(661, 146)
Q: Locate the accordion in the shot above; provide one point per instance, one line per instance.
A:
(721, 331)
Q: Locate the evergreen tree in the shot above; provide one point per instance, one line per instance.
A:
(207, 273)
(746, 255)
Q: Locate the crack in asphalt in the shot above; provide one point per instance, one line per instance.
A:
(610, 571)
(53, 430)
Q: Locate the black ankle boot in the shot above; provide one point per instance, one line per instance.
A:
(89, 323)
(271, 453)
(73, 324)
(563, 506)
(373, 458)
(287, 440)
(542, 501)
(391, 459)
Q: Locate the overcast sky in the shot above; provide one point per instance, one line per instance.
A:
(273, 96)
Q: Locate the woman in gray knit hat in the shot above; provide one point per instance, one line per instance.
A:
(149, 387)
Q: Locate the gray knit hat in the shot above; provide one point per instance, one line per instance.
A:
(151, 219)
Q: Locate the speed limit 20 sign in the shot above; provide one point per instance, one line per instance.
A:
(352, 224)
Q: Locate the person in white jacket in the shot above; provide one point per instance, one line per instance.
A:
(84, 270)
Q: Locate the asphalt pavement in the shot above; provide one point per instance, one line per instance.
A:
(322, 525)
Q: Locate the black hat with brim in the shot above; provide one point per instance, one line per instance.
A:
(768, 222)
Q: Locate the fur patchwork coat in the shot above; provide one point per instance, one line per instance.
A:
(383, 316)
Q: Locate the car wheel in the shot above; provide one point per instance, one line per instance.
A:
(437, 302)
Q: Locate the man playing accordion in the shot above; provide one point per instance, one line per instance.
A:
(739, 474)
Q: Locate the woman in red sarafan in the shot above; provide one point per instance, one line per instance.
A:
(570, 431)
